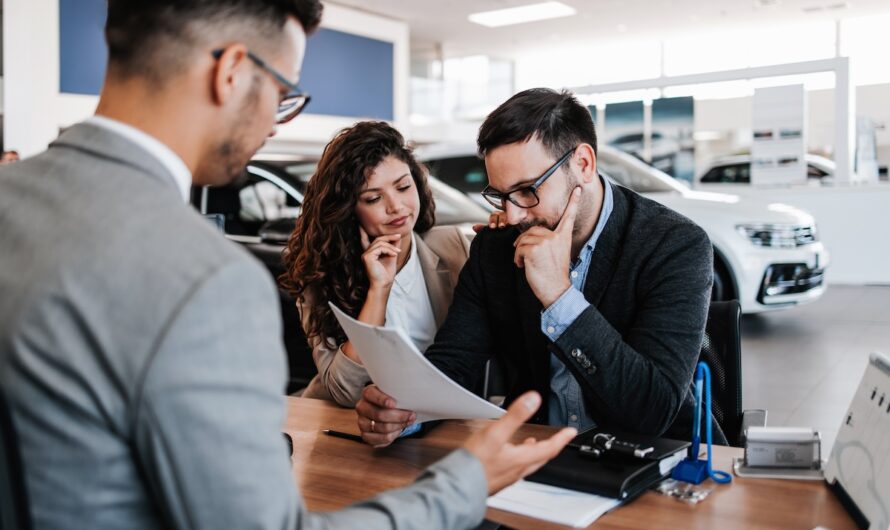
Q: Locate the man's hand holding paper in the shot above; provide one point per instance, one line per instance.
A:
(504, 462)
(379, 421)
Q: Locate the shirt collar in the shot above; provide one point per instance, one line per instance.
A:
(169, 159)
(605, 212)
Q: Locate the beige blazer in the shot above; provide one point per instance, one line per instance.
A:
(442, 252)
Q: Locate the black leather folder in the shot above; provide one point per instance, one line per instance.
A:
(612, 475)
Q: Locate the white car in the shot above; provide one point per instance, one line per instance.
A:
(766, 255)
(736, 170)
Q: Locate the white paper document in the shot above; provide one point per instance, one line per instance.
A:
(550, 503)
(401, 371)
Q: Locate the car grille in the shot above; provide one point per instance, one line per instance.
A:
(779, 236)
(785, 279)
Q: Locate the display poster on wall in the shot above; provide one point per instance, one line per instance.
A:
(673, 147)
(347, 75)
(83, 53)
(624, 127)
(778, 150)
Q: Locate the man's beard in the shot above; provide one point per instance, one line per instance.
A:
(529, 223)
(230, 155)
(226, 163)
(523, 226)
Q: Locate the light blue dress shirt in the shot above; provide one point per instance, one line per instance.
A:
(566, 404)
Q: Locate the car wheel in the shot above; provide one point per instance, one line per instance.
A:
(723, 288)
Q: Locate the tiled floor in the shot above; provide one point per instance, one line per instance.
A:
(804, 364)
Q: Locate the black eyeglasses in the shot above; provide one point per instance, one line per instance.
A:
(526, 197)
(291, 104)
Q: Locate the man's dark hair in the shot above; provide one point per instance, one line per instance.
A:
(155, 38)
(557, 119)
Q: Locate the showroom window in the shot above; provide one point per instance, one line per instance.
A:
(459, 88)
(743, 48)
(554, 67)
(864, 41)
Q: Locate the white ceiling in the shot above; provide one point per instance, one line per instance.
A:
(444, 22)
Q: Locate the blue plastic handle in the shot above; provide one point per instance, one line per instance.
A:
(720, 477)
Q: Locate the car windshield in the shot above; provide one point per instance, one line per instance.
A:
(452, 207)
(467, 173)
(300, 171)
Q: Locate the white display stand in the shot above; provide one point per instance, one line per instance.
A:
(778, 152)
(866, 150)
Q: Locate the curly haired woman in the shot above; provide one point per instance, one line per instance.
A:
(365, 241)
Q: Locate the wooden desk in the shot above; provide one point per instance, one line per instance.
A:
(333, 472)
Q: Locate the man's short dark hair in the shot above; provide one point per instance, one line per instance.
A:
(154, 38)
(557, 119)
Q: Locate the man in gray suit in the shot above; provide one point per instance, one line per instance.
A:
(139, 350)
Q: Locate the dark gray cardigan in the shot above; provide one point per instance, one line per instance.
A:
(633, 350)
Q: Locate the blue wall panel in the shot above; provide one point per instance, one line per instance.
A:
(347, 75)
(82, 50)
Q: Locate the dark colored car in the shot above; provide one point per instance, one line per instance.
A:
(259, 210)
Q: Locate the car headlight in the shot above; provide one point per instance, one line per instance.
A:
(778, 236)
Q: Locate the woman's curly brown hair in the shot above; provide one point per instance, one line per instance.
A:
(323, 255)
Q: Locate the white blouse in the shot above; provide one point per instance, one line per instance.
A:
(408, 306)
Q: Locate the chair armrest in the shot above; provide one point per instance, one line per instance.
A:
(752, 418)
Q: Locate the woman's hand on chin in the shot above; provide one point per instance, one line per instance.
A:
(495, 220)
(380, 258)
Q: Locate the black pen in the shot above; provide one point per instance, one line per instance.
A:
(344, 435)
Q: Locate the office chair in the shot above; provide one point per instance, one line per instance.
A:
(14, 511)
(721, 349)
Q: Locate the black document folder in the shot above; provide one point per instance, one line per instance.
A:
(611, 475)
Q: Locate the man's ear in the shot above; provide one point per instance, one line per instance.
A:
(230, 74)
(586, 161)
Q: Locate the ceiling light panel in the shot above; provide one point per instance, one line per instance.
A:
(522, 14)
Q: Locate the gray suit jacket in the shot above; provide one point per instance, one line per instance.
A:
(141, 355)
(442, 252)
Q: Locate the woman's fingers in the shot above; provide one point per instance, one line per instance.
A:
(379, 249)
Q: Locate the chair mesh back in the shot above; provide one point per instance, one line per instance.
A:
(721, 349)
(14, 514)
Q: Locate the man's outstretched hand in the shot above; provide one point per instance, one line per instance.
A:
(381, 423)
(504, 462)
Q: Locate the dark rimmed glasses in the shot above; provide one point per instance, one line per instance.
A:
(291, 104)
(527, 196)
